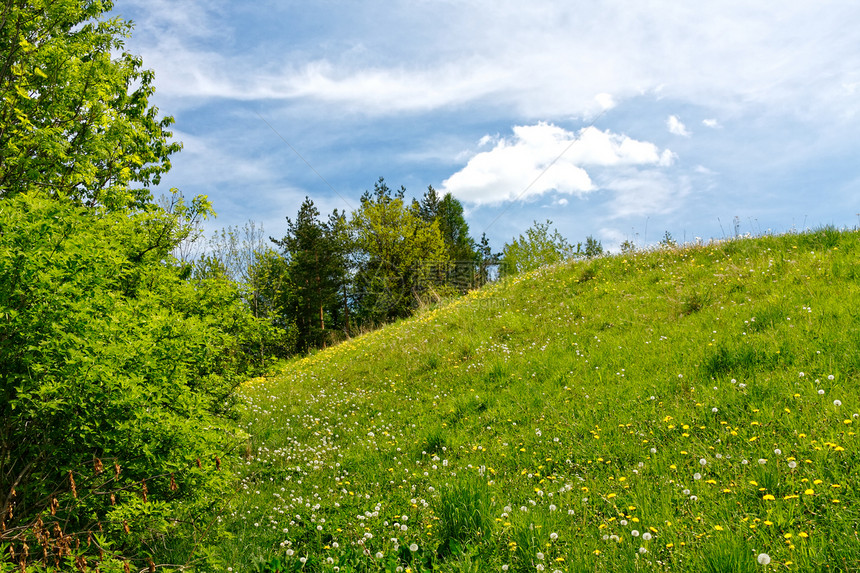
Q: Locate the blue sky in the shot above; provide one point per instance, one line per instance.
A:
(616, 119)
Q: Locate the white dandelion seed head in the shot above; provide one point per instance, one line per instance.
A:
(635, 533)
(646, 536)
(837, 402)
(763, 559)
(697, 476)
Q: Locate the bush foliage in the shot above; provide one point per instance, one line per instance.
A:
(117, 376)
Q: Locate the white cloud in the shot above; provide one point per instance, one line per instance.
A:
(544, 157)
(675, 126)
(712, 123)
(646, 192)
(544, 58)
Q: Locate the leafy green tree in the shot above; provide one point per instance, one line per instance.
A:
(316, 266)
(463, 272)
(242, 255)
(111, 357)
(448, 214)
(398, 254)
(628, 247)
(593, 247)
(75, 118)
(538, 247)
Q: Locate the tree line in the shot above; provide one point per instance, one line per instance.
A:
(332, 277)
(329, 278)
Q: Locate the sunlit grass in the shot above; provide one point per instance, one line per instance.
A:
(688, 410)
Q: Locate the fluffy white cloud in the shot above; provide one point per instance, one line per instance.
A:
(675, 126)
(712, 123)
(545, 157)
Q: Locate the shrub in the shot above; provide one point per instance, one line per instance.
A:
(116, 378)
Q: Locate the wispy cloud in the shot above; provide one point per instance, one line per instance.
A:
(543, 60)
(646, 192)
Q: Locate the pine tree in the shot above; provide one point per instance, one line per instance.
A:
(316, 270)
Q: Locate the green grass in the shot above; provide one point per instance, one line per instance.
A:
(683, 410)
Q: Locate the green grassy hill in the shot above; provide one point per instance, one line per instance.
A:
(690, 409)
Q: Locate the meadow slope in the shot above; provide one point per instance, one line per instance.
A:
(689, 409)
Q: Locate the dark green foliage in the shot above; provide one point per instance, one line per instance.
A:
(448, 214)
(737, 361)
(593, 247)
(465, 512)
(315, 255)
(693, 302)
